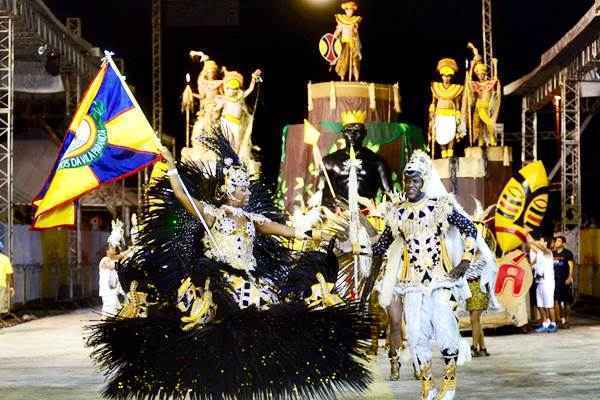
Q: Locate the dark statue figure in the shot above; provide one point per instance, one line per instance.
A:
(371, 177)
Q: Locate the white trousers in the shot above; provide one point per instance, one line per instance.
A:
(544, 293)
(428, 317)
(110, 304)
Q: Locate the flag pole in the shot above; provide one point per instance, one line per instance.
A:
(200, 217)
(319, 157)
(108, 59)
(311, 137)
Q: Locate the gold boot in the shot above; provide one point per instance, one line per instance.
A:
(427, 391)
(394, 356)
(448, 387)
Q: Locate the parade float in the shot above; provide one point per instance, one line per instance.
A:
(353, 118)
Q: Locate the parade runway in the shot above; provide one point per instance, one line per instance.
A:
(46, 359)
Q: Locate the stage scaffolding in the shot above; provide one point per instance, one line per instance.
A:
(28, 31)
(569, 66)
(486, 29)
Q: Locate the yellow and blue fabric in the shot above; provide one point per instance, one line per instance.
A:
(108, 139)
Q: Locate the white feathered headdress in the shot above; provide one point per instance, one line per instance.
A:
(116, 237)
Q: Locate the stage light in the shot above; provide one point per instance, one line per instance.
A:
(42, 49)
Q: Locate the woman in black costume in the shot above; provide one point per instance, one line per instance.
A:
(225, 315)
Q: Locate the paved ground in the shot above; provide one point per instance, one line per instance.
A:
(46, 359)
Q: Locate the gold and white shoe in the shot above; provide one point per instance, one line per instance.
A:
(448, 386)
(428, 392)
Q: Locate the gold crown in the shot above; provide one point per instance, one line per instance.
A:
(481, 68)
(447, 66)
(354, 117)
(210, 65)
(349, 5)
(233, 80)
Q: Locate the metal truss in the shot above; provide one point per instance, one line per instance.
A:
(72, 98)
(529, 134)
(35, 25)
(581, 65)
(157, 110)
(486, 20)
(25, 26)
(6, 130)
(72, 84)
(570, 159)
(74, 26)
(564, 81)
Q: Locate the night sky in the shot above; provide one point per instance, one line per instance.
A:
(402, 41)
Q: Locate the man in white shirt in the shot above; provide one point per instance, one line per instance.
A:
(543, 270)
(109, 285)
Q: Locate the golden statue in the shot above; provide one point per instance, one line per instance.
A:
(209, 86)
(446, 121)
(136, 305)
(236, 120)
(321, 294)
(222, 103)
(199, 303)
(482, 100)
(350, 57)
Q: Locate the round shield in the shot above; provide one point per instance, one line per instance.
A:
(330, 48)
(521, 204)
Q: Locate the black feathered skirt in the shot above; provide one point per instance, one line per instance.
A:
(286, 351)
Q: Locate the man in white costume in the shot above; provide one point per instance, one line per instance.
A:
(430, 244)
(108, 280)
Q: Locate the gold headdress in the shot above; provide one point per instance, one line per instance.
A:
(354, 117)
(233, 80)
(209, 66)
(349, 5)
(481, 68)
(447, 66)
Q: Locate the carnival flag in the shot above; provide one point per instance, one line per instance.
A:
(311, 134)
(108, 139)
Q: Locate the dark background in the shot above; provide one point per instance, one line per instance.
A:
(402, 41)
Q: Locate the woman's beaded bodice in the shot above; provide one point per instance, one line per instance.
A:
(233, 232)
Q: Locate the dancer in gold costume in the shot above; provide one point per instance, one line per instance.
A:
(235, 117)
(347, 27)
(209, 87)
(482, 100)
(446, 122)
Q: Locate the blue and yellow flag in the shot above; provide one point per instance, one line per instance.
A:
(108, 139)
